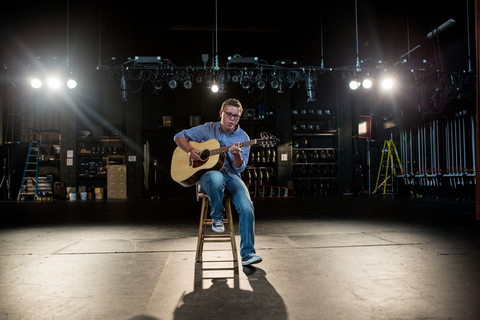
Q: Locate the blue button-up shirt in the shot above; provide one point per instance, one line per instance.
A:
(213, 130)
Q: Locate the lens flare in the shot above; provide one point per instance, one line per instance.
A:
(36, 83)
(72, 84)
(54, 83)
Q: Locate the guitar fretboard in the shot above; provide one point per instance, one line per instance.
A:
(225, 149)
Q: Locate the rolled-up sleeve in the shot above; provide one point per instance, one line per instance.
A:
(191, 134)
(245, 155)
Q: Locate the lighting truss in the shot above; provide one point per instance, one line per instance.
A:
(251, 74)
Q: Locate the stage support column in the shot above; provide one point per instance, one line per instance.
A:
(345, 142)
(477, 106)
(284, 133)
(68, 150)
(134, 155)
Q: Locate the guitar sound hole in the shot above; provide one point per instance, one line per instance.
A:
(204, 155)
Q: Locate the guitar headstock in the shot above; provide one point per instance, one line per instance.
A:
(267, 140)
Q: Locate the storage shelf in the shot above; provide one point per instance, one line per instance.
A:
(99, 176)
(315, 163)
(313, 149)
(312, 117)
(316, 134)
(315, 178)
(100, 139)
(314, 153)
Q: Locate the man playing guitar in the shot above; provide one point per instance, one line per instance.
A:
(214, 183)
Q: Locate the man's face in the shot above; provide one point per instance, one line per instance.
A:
(229, 117)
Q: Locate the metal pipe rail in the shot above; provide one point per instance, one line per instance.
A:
(440, 150)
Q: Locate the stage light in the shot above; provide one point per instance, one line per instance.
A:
(274, 83)
(187, 84)
(367, 83)
(388, 83)
(172, 84)
(214, 88)
(36, 83)
(354, 84)
(157, 85)
(246, 85)
(54, 79)
(53, 83)
(261, 85)
(72, 84)
(260, 82)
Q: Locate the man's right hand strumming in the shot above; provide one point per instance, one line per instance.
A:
(194, 154)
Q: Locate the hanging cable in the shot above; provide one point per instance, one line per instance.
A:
(356, 36)
(322, 65)
(216, 35)
(468, 40)
(100, 34)
(68, 29)
(215, 41)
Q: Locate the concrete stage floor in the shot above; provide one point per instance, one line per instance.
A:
(324, 258)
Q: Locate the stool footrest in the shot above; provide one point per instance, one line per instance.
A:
(217, 269)
(217, 236)
(209, 222)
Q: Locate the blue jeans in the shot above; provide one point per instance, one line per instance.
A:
(214, 184)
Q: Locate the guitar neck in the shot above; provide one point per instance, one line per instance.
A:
(225, 149)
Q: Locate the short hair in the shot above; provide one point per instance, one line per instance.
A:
(233, 103)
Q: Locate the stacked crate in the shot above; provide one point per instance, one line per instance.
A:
(117, 182)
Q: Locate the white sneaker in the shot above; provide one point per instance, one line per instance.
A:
(251, 259)
(217, 226)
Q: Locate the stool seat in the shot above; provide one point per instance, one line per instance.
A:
(227, 237)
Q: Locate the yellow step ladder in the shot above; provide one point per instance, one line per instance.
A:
(391, 164)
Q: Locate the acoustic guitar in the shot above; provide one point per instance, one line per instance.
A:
(187, 171)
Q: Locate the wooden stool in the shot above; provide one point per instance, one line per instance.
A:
(227, 237)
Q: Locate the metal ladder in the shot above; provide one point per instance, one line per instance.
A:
(29, 184)
(391, 162)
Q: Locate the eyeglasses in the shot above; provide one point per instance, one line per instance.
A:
(231, 115)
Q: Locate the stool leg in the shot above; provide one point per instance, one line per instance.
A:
(201, 230)
(231, 229)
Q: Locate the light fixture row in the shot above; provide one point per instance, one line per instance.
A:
(386, 83)
(53, 83)
(218, 83)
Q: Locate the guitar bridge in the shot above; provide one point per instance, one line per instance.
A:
(198, 163)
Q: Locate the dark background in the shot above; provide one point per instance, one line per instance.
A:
(37, 36)
(99, 30)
